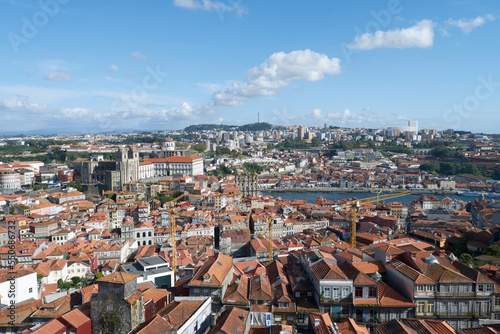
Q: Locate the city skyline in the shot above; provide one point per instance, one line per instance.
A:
(85, 68)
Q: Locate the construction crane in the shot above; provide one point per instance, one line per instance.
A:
(173, 232)
(270, 237)
(354, 207)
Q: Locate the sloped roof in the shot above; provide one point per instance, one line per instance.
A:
(118, 278)
(324, 269)
(213, 271)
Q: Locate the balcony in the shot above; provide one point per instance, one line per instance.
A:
(335, 300)
(455, 295)
(464, 314)
(445, 314)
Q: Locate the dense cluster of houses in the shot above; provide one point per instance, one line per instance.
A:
(104, 264)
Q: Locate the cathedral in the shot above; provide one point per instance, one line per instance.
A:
(248, 184)
(111, 174)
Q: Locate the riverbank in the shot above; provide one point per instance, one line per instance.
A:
(311, 196)
(371, 191)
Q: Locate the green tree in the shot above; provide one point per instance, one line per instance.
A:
(76, 280)
(493, 250)
(76, 184)
(441, 152)
(252, 167)
(315, 141)
(466, 258)
(200, 147)
(223, 151)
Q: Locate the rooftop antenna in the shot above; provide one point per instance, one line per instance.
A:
(258, 117)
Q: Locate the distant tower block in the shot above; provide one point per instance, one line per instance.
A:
(258, 117)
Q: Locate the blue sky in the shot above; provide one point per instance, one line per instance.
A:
(72, 66)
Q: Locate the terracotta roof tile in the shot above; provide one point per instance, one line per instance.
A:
(118, 278)
(156, 326)
(75, 318)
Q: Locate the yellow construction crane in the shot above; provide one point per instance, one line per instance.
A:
(173, 232)
(354, 207)
(270, 237)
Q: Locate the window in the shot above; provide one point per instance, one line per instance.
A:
(345, 310)
(489, 288)
(31, 290)
(326, 292)
(297, 294)
(444, 307)
(345, 292)
(445, 288)
(138, 235)
(358, 292)
(480, 287)
(430, 307)
(420, 307)
(420, 287)
(465, 307)
(372, 292)
(454, 307)
(336, 292)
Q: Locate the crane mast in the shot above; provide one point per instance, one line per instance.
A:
(354, 208)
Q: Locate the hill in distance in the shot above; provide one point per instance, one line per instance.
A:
(247, 127)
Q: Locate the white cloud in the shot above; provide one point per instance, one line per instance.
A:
(367, 108)
(420, 35)
(112, 68)
(467, 25)
(212, 6)
(21, 104)
(316, 114)
(208, 87)
(21, 107)
(444, 32)
(345, 117)
(278, 71)
(59, 75)
(138, 55)
(74, 113)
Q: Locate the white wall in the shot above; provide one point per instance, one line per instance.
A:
(201, 316)
(20, 290)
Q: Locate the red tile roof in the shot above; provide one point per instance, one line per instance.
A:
(118, 278)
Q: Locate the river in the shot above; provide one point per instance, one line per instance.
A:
(310, 196)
